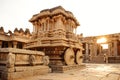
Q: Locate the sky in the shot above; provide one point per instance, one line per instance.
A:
(96, 17)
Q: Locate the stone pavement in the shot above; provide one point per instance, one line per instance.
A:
(91, 72)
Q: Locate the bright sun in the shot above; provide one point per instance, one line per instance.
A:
(102, 40)
(105, 46)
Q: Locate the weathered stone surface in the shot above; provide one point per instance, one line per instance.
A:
(112, 76)
(79, 57)
(10, 60)
(69, 57)
(90, 72)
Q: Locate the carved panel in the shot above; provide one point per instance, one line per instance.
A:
(3, 56)
(38, 58)
(22, 58)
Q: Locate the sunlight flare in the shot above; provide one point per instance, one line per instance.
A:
(102, 40)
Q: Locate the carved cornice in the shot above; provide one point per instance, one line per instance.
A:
(53, 12)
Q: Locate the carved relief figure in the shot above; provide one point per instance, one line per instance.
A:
(10, 60)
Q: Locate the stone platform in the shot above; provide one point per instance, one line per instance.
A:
(62, 69)
(21, 63)
(20, 72)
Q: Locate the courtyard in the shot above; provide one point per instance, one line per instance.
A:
(90, 72)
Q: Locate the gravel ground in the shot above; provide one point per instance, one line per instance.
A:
(90, 72)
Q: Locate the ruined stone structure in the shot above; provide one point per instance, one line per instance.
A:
(53, 42)
(94, 52)
(54, 33)
(17, 62)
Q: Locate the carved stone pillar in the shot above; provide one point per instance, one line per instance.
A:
(95, 50)
(36, 26)
(70, 27)
(86, 52)
(115, 48)
(10, 44)
(99, 49)
(0, 44)
(44, 26)
(32, 60)
(23, 45)
(33, 28)
(75, 30)
(48, 26)
(10, 60)
(14, 44)
(109, 49)
(91, 51)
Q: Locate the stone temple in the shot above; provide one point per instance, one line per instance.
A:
(53, 46)
(96, 53)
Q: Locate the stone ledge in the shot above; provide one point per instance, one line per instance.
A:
(21, 51)
(62, 69)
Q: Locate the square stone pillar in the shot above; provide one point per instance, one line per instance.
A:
(115, 48)
(0, 44)
(95, 50)
(86, 52)
(14, 44)
(109, 49)
(10, 44)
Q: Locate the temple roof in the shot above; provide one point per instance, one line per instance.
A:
(54, 11)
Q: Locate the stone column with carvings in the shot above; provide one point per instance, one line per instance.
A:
(35, 24)
(0, 44)
(91, 51)
(48, 26)
(115, 48)
(44, 26)
(86, 52)
(109, 49)
(14, 44)
(95, 50)
(10, 44)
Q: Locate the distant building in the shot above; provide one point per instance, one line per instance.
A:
(97, 50)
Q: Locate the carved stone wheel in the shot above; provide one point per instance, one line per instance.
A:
(79, 57)
(69, 56)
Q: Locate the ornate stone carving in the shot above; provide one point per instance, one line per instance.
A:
(10, 60)
(32, 60)
(45, 60)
